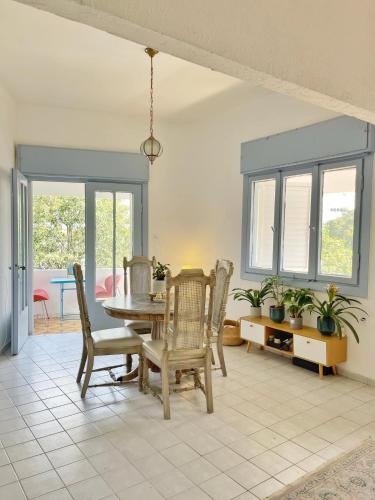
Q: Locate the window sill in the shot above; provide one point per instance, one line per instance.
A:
(317, 286)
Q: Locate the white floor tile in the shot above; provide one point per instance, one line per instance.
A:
(222, 487)
(42, 483)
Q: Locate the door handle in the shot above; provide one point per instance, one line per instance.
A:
(23, 268)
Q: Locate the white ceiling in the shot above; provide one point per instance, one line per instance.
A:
(48, 60)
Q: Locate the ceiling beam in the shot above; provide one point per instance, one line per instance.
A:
(313, 50)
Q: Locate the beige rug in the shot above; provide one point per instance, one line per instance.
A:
(349, 477)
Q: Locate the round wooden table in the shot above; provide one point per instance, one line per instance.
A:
(137, 307)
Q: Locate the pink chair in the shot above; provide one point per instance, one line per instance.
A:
(106, 290)
(40, 295)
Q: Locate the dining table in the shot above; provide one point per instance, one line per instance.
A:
(138, 307)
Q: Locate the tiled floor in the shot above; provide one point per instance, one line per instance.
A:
(55, 325)
(273, 422)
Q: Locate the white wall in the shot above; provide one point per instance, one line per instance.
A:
(196, 186)
(7, 124)
(196, 197)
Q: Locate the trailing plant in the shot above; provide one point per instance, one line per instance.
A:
(255, 297)
(160, 271)
(338, 308)
(297, 300)
(276, 289)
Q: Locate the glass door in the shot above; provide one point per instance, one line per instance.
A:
(113, 231)
(20, 241)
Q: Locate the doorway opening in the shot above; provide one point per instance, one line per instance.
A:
(58, 241)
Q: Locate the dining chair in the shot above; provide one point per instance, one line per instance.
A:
(113, 341)
(137, 279)
(223, 272)
(184, 344)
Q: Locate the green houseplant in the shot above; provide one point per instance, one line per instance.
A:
(276, 291)
(333, 313)
(255, 298)
(159, 274)
(297, 300)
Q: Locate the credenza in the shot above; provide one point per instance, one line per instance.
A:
(308, 343)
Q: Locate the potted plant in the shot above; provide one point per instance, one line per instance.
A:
(159, 273)
(333, 313)
(276, 290)
(255, 298)
(297, 301)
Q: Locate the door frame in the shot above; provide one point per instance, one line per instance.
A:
(84, 180)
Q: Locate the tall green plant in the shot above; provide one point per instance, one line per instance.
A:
(338, 307)
(297, 300)
(276, 289)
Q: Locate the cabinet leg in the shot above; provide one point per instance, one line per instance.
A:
(320, 371)
(334, 369)
(248, 346)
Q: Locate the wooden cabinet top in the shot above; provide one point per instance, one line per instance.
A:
(306, 331)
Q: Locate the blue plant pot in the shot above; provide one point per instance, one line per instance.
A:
(326, 326)
(277, 314)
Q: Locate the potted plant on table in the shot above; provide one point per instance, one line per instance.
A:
(333, 313)
(276, 291)
(297, 300)
(255, 298)
(159, 274)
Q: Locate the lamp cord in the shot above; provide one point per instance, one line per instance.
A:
(152, 99)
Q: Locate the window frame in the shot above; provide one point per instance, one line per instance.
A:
(357, 285)
(312, 232)
(249, 210)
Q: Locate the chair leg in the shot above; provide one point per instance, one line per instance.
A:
(165, 391)
(89, 367)
(208, 385)
(45, 308)
(82, 364)
(140, 372)
(129, 363)
(145, 375)
(220, 353)
(212, 357)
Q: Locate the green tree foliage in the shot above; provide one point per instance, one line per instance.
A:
(337, 242)
(59, 231)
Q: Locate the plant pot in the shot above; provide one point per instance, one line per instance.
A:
(277, 313)
(231, 335)
(158, 286)
(296, 323)
(326, 326)
(255, 312)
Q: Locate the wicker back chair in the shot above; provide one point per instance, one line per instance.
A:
(137, 279)
(137, 275)
(103, 342)
(185, 344)
(223, 271)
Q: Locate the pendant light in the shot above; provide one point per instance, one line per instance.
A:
(151, 147)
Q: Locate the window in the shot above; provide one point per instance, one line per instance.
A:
(304, 223)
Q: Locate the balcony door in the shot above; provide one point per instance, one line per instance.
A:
(20, 231)
(113, 231)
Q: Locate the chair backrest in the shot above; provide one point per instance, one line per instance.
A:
(137, 274)
(81, 297)
(108, 284)
(223, 271)
(190, 292)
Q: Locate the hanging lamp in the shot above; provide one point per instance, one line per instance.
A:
(151, 147)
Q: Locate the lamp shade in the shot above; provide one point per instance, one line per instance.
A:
(151, 148)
